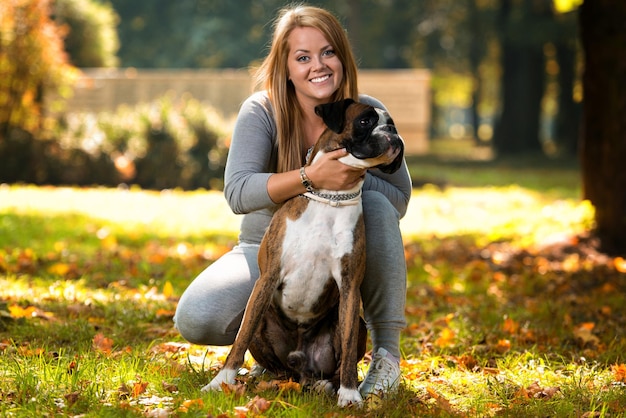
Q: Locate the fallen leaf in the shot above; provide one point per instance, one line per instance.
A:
(503, 346)
(102, 343)
(71, 368)
(619, 372)
(442, 402)
(59, 269)
(467, 361)
(71, 398)
(191, 404)
(169, 387)
(165, 313)
(258, 405)
(236, 389)
(538, 392)
(290, 386)
(266, 385)
(584, 335)
(17, 311)
(139, 388)
(446, 337)
(510, 326)
(168, 289)
(28, 352)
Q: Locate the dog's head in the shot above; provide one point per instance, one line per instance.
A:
(367, 133)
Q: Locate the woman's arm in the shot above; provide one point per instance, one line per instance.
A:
(248, 166)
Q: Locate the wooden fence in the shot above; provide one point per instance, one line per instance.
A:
(406, 93)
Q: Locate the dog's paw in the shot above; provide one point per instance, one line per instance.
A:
(323, 386)
(224, 376)
(349, 397)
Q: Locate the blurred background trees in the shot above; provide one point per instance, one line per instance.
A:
(506, 76)
(91, 39)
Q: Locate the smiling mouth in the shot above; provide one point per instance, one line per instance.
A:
(320, 79)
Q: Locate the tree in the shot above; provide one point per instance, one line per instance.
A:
(32, 61)
(567, 120)
(522, 32)
(92, 39)
(604, 118)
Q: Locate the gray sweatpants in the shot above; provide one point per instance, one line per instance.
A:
(211, 308)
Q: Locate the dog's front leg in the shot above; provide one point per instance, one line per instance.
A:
(349, 305)
(255, 309)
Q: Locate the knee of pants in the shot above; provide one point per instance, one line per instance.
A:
(198, 328)
(378, 210)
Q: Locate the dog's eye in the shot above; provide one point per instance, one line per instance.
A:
(365, 122)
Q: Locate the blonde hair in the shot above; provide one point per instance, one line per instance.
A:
(273, 76)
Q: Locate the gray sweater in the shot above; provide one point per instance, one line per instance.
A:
(251, 161)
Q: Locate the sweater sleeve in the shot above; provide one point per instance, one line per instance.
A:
(248, 166)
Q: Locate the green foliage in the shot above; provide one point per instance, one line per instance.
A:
(92, 39)
(32, 62)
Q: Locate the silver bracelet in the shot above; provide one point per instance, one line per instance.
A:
(306, 181)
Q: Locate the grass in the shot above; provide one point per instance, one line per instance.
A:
(510, 311)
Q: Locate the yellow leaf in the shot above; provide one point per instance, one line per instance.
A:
(168, 289)
(17, 311)
(59, 269)
(446, 337)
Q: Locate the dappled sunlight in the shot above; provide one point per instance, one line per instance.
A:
(495, 213)
(510, 308)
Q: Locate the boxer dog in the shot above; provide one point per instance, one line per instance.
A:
(302, 319)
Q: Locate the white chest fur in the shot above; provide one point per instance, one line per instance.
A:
(312, 250)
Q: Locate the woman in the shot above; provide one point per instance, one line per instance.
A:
(310, 62)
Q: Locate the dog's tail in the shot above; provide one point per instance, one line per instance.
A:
(296, 360)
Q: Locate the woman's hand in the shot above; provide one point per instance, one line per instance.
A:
(331, 174)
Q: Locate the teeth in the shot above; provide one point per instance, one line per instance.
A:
(320, 79)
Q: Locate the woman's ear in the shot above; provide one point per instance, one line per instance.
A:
(334, 114)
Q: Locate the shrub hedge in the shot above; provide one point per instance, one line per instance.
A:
(159, 145)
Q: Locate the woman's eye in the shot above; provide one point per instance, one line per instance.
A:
(329, 52)
(303, 58)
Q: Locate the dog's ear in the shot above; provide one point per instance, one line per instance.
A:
(334, 114)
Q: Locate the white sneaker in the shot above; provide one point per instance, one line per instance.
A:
(383, 374)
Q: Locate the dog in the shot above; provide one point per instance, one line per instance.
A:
(302, 319)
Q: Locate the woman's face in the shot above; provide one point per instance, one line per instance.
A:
(314, 69)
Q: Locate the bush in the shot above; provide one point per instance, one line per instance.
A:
(163, 144)
(92, 39)
(28, 159)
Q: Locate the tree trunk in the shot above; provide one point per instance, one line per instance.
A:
(567, 130)
(603, 34)
(517, 130)
(476, 55)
